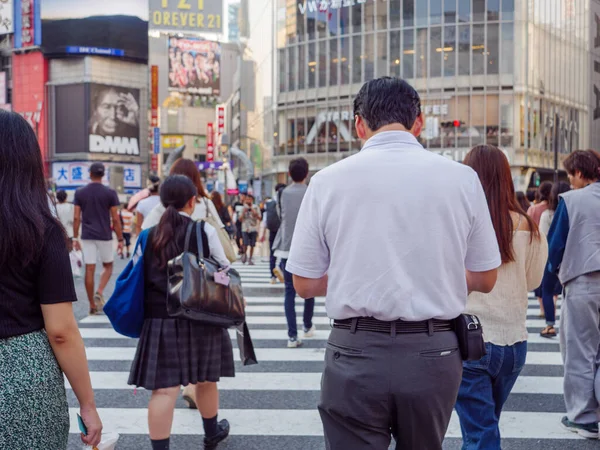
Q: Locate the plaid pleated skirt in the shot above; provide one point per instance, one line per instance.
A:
(34, 413)
(178, 352)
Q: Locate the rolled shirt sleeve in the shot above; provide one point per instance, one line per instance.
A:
(214, 244)
(557, 237)
(309, 254)
(483, 253)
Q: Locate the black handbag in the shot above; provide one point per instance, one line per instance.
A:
(470, 337)
(245, 345)
(193, 292)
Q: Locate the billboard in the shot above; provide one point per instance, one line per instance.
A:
(73, 174)
(107, 28)
(28, 26)
(7, 25)
(178, 16)
(114, 120)
(194, 66)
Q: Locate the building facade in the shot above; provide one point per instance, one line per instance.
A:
(511, 73)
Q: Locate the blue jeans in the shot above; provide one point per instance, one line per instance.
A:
(485, 386)
(290, 304)
(550, 287)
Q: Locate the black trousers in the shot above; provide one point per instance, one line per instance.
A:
(376, 385)
(273, 260)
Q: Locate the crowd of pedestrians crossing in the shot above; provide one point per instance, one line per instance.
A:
(397, 277)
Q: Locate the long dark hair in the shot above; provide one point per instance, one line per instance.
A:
(559, 188)
(187, 167)
(24, 202)
(493, 170)
(175, 192)
(217, 200)
(522, 201)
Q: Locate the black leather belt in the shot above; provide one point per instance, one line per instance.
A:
(394, 327)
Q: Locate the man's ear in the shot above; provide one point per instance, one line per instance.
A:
(361, 127)
(418, 126)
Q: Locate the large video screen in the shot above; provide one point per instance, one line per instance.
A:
(107, 28)
(194, 66)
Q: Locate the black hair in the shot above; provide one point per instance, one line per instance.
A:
(24, 204)
(559, 188)
(531, 196)
(280, 186)
(298, 169)
(585, 161)
(544, 191)
(61, 196)
(387, 100)
(175, 192)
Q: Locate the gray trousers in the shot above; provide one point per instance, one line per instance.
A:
(580, 348)
(376, 385)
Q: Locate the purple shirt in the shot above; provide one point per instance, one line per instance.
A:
(95, 201)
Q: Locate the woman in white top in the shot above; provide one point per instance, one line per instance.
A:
(487, 383)
(65, 212)
(204, 207)
(146, 205)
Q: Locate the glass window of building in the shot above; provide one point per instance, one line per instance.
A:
(311, 24)
(449, 11)
(408, 54)
(333, 62)
(395, 13)
(292, 68)
(508, 9)
(435, 11)
(435, 52)
(312, 64)
(479, 49)
(408, 12)
(381, 19)
(369, 13)
(477, 129)
(464, 50)
(322, 63)
(311, 131)
(493, 10)
(492, 122)
(291, 134)
(357, 18)
(464, 10)
(493, 48)
(356, 58)
(395, 54)
(344, 20)
(381, 52)
(322, 24)
(507, 55)
(421, 56)
(322, 130)
(507, 105)
(282, 74)
(301, 125)
(345, 60)
(302, 67)
(369, 56)
(421, 13)
(332, 22)
(478, 10)
(463, 118)
(449, 50)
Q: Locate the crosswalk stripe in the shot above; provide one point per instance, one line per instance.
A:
(279, 381)
(284, 354)
(273, 422)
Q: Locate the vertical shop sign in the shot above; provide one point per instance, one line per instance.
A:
(221, 120)
(28, 24)
(210, 142)
(154, 96)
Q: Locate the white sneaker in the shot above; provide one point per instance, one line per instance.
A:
(310, 333)
(294, 343)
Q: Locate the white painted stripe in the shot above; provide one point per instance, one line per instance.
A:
(280, 381)
(285, 354)
(279, 309)
(534, 339)
(263, 354)
(539, 323)
(537, 312)
(273, 422)
(252, 320)
(278, 300)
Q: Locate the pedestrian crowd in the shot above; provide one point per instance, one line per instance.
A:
(402, 264)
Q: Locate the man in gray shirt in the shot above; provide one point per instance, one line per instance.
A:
(291, 199)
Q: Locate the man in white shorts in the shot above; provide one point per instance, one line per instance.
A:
(97, 205)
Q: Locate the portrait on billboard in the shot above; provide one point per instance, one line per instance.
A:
(114, 119)
(194, 66)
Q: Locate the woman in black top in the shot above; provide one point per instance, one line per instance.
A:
(39, 337)
(175, 352)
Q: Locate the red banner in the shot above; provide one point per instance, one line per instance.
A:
(154, 96)
(210, 142)
(154, 163)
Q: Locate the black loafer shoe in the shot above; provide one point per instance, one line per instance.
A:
(210, 443)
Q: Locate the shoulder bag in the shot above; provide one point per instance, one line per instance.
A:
(470, 337)
(125, 308)
(222, 233)
(194, 293)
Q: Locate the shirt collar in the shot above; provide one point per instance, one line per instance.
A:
(392, 137)
(184, 214)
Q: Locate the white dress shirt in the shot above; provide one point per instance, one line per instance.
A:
(394, 227)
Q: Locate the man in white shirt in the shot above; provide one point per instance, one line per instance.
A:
(396, 258)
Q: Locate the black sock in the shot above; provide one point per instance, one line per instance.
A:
(162, 444)
(211, 426)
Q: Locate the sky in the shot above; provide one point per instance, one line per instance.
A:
(61, 9)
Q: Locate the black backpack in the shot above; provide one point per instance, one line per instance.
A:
(273, 219)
